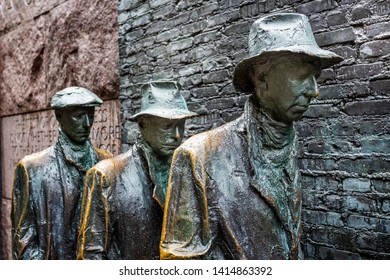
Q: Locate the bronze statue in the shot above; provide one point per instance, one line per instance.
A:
(234, 192)
(48, 185)
(125, 195)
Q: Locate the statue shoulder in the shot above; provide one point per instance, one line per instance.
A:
(213, 139)
(102, 154)
(112, 165)
(42, 158)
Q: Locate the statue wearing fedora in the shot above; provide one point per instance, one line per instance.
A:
(48, 185)
(234, 192)
(125, 195)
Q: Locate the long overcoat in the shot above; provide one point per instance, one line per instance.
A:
(121, 215)
(229, 197)
(46, 204)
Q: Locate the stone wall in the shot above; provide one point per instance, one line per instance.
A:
(63, 43)
(344, 137)
(45, 46)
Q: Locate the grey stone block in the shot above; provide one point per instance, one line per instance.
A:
(360, 71)
(337, 18)
(181, 44)
(336, 36)
(380, 87)
(316, 6)
(361, 13)
(356, 185)
(328, 253)
(375, 48)
(374, 107)
(378, 29)
(157, 3)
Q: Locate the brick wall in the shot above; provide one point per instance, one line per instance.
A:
(344, 137)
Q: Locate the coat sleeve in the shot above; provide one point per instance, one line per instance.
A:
(25, 243)
(186, 230)
(95, 221)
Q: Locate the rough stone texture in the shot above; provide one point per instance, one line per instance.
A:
(74, 43)
(344, 148)
(22, 81)
(15, 12)
(46, 45)
(6, 205)
(82, 47)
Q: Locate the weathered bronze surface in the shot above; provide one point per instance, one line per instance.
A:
(47, 188)
(234, 192)
(124, 196)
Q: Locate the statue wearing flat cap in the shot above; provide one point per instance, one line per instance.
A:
(234, 192)
(48, 185)
(125, 195)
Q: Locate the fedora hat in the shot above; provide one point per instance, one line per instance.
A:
(275, 34)
(163, 99)
(75, 97)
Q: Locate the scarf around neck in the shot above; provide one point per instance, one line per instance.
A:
(82, 156)
(272, 151)
(158, 171)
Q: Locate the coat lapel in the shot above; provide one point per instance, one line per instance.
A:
(277, 183)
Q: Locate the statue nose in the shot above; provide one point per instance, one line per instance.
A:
(177, 133)
(87, 121)
(312, 88)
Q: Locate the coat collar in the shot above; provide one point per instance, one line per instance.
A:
(158, 171)
(275, 173)
(81, 156)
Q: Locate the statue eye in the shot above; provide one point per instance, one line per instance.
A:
(301, 76)
(167, 126)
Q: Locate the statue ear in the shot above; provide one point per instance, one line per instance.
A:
(58, 114)
(264, 83)
(259, 77)
(141, 123)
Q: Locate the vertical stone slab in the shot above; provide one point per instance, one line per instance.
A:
(15, 12)
(75, 43)
(25, 134)
(22, 73)
(45, 46)
(6, 228)
(82, 47)
(106, 130)
(1, 212)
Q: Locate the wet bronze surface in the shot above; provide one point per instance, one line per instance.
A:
(48, 185)
(124, 196)
(234, 192)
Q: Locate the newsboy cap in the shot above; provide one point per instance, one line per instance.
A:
(279, 34)
(163, 99)
(75, 97)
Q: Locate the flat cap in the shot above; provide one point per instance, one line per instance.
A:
(75, 97)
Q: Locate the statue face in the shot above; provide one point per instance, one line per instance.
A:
(162, 135)
(76, 122)
(286, 90)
